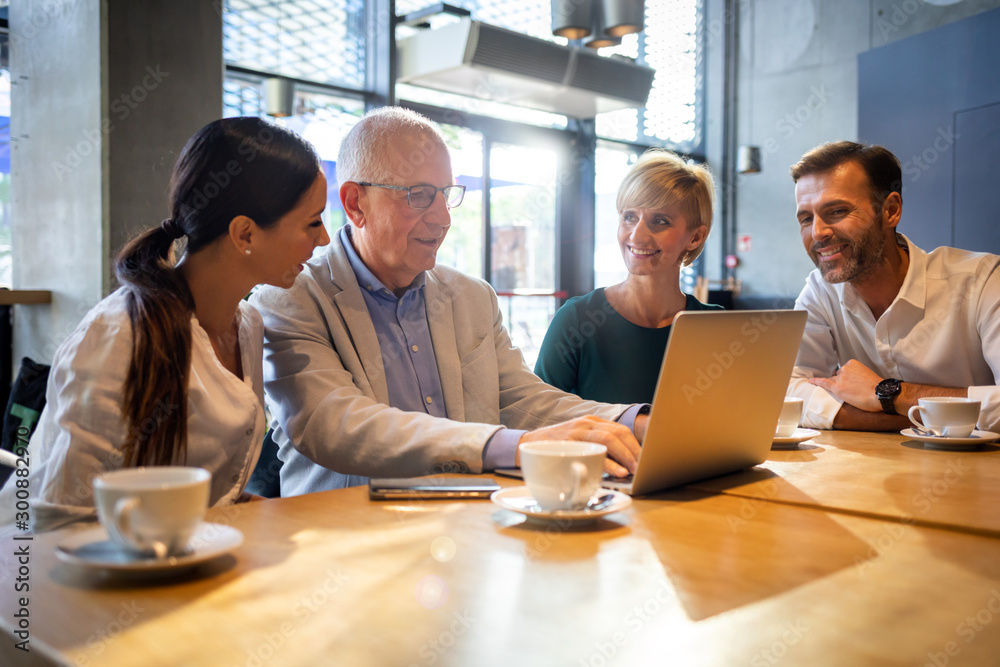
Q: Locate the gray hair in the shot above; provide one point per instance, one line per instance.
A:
(362, 154)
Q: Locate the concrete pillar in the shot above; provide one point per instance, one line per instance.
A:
(105, 94)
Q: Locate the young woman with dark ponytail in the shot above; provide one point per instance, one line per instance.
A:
(167, 369)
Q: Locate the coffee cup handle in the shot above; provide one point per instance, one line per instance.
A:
(579, 476)
(919, 426)
(122, 526)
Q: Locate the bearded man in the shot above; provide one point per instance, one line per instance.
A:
(888, 322)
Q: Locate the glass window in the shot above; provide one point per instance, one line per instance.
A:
(320, 118)
(323, 120)
(611, 166)
(315, 40)
(523, 219)
(523, 215)
(241, 97)
(463, 247)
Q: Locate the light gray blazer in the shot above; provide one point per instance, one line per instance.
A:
(326, 388)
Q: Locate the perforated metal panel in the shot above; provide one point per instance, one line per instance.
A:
(317, 40)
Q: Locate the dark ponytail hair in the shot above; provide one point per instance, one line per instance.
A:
(231, 167)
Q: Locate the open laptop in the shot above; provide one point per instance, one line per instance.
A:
(721, 387)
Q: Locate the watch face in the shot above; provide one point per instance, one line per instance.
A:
(887, 388)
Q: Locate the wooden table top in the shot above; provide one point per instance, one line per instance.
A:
(684, 578)
(885, 475)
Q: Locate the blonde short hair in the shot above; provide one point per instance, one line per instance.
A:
(660, 178)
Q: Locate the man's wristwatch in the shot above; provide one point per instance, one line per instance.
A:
(886, 391)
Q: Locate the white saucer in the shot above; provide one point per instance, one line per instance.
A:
(790, 441)
(93, 549)
(518, 499)
(940, 442)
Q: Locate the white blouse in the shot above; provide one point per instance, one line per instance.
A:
(82, 428)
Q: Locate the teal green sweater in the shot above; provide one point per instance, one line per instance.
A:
(592, 351)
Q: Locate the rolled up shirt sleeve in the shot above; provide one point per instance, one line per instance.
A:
(817, 357)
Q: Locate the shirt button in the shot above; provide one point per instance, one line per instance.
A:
(428, 399)
(235, 478)
(249, 431)
(414, 348)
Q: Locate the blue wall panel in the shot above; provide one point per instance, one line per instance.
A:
(916, 97)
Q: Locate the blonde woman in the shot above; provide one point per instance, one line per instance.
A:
(607, 345)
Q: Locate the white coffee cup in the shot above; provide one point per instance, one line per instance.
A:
(562, 474)
(152, 512)
(789, 418)
(946, 417)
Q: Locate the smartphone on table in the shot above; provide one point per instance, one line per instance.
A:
(429, 488)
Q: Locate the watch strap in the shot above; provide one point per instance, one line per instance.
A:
(887, 406)
(886, 391)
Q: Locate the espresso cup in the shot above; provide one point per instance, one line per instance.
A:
(562, 474)
(152, 512)
(789, 418)
(946, 417)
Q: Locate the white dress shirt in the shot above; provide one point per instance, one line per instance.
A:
(943, 328)
(81, 429)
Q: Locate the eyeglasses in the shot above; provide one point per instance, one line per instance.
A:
(422, 196)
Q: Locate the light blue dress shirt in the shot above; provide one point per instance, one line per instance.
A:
(411, 372)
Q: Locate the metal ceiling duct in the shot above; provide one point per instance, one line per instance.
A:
(480, 60)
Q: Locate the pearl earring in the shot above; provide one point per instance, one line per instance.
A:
(247, 251)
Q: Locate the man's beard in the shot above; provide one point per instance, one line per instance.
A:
(863, 256)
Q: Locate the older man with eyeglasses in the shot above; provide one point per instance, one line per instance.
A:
(380, 364)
